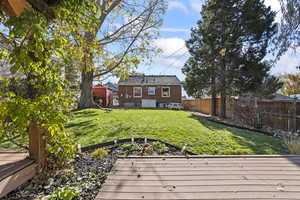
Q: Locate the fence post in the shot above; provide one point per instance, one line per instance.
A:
(37, 144)
(289, 119)
(294, 115)
(256, 122)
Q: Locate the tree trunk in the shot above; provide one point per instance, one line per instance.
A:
(223, 92)
(223, 105)
(213, 97)
(86, 96)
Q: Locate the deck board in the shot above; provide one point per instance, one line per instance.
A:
(220, 177)
(15, 169)
(10, 162)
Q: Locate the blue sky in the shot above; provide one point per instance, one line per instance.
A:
(180, 17)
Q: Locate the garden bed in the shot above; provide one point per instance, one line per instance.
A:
(82, 178)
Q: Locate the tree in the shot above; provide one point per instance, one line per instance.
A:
(267, 88)
(34, 101)
(71, 73)
(114, 38)
(289, 31)
(291, 84)
(228, 47)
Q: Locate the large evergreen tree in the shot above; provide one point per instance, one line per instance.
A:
(289, 29)
(228, 47)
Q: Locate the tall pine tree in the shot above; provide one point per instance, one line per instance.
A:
(228, 47)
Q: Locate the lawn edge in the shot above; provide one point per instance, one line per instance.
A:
(234, 126)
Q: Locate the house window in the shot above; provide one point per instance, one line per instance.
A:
(137, 92)
(151, 90)
(165, 92)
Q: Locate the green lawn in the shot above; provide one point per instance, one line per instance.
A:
(93, 126)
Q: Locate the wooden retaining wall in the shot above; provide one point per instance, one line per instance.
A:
(15, 169)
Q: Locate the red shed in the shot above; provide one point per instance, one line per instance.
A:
(102, 95)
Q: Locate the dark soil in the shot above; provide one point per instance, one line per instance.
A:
(86, 172)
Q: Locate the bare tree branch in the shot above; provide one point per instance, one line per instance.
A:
(122, 27)
(106, 13)
(110, 69)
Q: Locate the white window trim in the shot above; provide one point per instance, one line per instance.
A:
(154, 91)
(162, 92)
(134, 94)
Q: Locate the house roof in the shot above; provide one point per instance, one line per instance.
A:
(150, 80)
(111, 86)
(277, 96)
(295, 96)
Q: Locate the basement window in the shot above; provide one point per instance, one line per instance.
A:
(165, 92)
(137, 92)
(151, 90)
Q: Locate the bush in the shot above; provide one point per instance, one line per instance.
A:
(100, 153)
(244, 112)
(160, 147)
(66, 193)
(133, 147)
(294, 145)
(148, 148)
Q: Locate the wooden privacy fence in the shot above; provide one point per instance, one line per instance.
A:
(283, 115)
(276, 114)
(200, 105)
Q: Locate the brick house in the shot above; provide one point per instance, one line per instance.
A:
(149, 91)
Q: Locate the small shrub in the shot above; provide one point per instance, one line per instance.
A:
(86, 185)
(160, 147)
(148, 148)
(294, 145)
(133, 147)
(66, 193)
(100, 153)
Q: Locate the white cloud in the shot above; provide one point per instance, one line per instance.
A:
(171, 47)
(175, 30)
(275, 6)
(290, 60)
(196, 5)
(173, 51)
(287, 63)
(170, 62)
(178, 5)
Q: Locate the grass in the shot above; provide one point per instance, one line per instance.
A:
(294, 145)
(93, 126)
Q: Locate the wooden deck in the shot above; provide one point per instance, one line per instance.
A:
(206, 177)
(15, 169)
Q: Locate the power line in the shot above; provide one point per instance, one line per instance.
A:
(178, 59)
(172, 64)
(172, 54)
